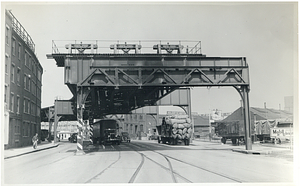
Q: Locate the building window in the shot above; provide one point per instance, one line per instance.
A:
(18, 75)
(5, 94)
(17, 127)
(33, 87)
(26, 58)
(28, 108)
(11, 102)
(32, 108)
(13, 47)
(12, 73)
(32, 66)
(29, 62)
(6, 68)
(6, 63)
(18, 104)
(25, 81)
(25, 128)
(28, 129)
(29, 80)
(19, 51)
(39, 75)
(6, 35)
(24, 105)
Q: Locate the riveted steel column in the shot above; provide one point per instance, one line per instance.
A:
(80, 123)
(50, 116)
(245, 92)
(55, 123)
(189, 109)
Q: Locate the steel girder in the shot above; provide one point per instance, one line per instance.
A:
(118, 83)
(99, 101)
(164, 77)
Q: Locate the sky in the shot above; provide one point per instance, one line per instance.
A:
(264, 33)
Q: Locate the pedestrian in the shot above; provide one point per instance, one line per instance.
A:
(35, 140)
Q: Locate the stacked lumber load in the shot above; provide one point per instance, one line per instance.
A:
(181, 126)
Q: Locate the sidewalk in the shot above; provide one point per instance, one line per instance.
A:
(15, 152)
(257, 148)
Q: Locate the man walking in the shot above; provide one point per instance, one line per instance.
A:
(35, 140)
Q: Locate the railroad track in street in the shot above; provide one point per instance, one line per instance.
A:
(100, 173)
(156, 167)
(141, 165)
(169, 168)
(175, 175)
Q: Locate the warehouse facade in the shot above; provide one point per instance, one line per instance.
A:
(22, 87)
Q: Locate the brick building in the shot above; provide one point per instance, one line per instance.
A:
(22, 86)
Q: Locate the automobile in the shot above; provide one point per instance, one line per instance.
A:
(73, 138)
(125, 137)
(153, 137)
(52, 138)
(44, 134)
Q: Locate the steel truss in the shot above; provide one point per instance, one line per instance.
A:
(105, 84)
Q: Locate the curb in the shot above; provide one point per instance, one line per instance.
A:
(252, 152)
(8, 157)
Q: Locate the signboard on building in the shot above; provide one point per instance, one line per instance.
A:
(216, 114)
(283, 132)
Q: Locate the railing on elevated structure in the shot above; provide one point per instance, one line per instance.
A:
(126, 47)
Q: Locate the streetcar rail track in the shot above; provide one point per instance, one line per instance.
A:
(89, 180)
(137, 170)
(170, 169)
(133, 177)
(187, 163)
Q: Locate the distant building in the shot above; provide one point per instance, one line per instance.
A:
(257, 114)
(261, 120)
(201, 126)
(139, 124)
(64, 128)
(288, 103)
(22, 88)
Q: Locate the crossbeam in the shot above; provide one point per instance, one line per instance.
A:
(115, 83)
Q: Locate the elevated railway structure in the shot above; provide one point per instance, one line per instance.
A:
(108, 77)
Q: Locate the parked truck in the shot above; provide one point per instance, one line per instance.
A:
(260, 130)
(174, 130)
(106, 131)
(233, 130)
